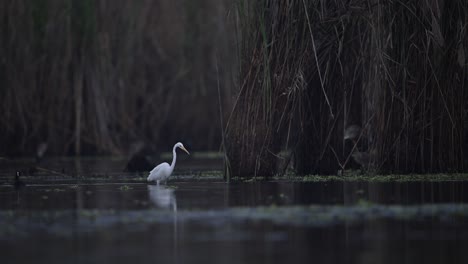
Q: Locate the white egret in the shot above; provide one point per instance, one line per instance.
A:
(164, 170)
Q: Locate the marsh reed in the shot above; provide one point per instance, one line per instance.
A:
(92, 77)
(309, 70)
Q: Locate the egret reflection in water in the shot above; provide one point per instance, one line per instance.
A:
(162, 197)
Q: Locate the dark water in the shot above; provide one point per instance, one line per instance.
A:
(208, 221)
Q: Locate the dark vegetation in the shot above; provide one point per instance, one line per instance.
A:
(322, 86)
(100, 77)
(329, 85)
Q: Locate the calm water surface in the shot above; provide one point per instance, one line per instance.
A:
(70, 220)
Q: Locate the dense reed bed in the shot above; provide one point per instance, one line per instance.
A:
(94, 77)
(330, 85)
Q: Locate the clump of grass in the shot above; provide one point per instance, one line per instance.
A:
(125, 188)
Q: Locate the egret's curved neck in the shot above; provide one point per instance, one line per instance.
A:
(174, 157)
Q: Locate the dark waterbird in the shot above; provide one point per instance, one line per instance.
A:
(19, 184)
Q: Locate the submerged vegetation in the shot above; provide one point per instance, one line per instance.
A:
(386, 178)
(348, 84)
(14, 223)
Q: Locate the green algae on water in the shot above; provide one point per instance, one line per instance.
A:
(386, 178)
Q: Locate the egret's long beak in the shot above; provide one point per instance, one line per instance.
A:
(182, 148)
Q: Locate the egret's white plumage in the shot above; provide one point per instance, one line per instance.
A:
(164, 170)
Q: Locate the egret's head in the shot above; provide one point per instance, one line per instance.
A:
(181, 146)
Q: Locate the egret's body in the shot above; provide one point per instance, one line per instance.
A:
(164, 170)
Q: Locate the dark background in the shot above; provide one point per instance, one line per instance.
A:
(288, 79)
(97, 77)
